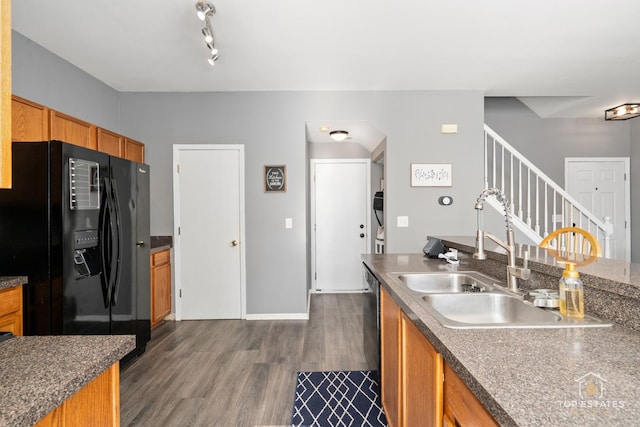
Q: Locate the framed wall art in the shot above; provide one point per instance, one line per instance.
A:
(275, 178)
(431, 175)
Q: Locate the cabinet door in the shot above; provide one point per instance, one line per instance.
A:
(110, 142)
(133, 150)
(461, 407)
(421, 378)
(160, 286)
(390, 357)
(29, 121)
(74, 131)
(11, 310)
(5, 94)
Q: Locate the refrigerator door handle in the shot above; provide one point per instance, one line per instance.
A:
(119, 242)
(105, 247)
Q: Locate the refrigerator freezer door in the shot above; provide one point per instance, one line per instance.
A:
(130, 310)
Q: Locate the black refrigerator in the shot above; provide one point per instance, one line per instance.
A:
(76, 222)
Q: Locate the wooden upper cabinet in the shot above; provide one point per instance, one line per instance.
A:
(110, 142)
(74, 131)
(5, 94)
(29, 121)
(133, 150)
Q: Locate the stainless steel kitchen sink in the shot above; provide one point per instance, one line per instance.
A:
(472, 300)
(456, 282)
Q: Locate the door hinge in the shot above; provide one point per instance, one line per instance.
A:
(178, 231)
(625, 224)
(180, 293)
(625, 176)
(178, 168)
(315, 276)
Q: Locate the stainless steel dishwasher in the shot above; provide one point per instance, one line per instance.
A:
(371, 320)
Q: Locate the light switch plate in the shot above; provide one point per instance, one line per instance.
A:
(288, 223)
(403, 221)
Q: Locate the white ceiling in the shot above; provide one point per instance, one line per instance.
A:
(569, 58)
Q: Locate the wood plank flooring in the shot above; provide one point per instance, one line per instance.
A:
(239, 372)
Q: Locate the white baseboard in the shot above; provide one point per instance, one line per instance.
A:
(278, 316)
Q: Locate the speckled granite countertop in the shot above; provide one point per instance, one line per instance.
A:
(529, 377)
(39, 373)
(11, 281)
(160, 243)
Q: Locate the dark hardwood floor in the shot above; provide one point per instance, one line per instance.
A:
(239, 372)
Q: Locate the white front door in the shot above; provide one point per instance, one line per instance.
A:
(340, 212)
(601, 186)
(209, 230)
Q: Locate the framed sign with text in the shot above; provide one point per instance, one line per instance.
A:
(275, 178)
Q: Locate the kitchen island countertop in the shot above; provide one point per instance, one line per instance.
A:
(529, 377)
(40, 372)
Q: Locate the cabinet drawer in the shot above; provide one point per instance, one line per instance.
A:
(160, 258)
(10, 300)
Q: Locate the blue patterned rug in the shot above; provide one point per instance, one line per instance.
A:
(342, 398)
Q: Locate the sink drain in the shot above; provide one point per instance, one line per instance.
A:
(472, 288)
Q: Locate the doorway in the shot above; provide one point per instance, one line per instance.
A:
(208, 200)
(340, 220)
(602, 186)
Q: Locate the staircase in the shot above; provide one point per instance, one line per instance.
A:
(538, 204)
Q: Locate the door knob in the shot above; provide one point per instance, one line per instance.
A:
(362, 235)
(234, 243)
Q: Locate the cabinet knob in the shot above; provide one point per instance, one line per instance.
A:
(234, 243)
(140, 243)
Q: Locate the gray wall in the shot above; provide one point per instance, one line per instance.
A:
(271, 125)
(40, 76)
(546, 142)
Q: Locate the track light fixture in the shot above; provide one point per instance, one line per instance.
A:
(204, 10)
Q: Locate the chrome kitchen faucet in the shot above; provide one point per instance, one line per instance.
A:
(513, 272)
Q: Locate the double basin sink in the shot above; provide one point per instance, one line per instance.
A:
(468, 300)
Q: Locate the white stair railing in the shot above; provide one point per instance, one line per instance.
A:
(538, 204)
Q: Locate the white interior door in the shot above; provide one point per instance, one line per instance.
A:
(601, 186)
(340, 210)
(209, 224)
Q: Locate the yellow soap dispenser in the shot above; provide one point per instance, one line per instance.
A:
(572, 246)
(571, 293)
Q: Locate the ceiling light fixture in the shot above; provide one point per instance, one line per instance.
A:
(622, 112)
(339, 135)
(204, 11)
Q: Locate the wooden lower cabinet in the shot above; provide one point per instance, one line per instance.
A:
(461, 407)
(11, 310)
(160, 286)
(421, 378)
(417, 387)
(96, 404)
(390, 357)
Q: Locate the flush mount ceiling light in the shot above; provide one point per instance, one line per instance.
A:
(339, 135)
(204, 10)
(622, 112)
